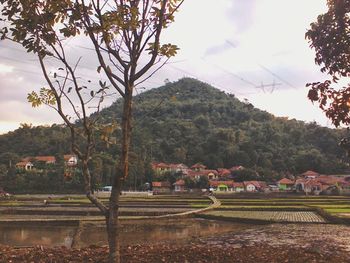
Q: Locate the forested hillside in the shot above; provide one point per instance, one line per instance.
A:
(189, 121)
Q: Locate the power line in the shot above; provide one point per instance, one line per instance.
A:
(231, 73)
(278, 77)
(209, 82)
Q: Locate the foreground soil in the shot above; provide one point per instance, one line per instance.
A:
(170, 253)
(274, 243)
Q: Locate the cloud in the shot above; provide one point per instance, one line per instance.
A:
(5, 69)
(226, 43)
(290, 103)
(242, 14)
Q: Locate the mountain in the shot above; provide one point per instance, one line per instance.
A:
(189, 121)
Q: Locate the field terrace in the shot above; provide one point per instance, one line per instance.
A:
(262, 208)
(77, 207)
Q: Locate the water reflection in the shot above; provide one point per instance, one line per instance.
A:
(150, 231)
(40, 235)
(132, 232)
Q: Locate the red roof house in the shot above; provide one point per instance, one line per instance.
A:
(180, 186)
(198, 167)
(210, 174)
(160, 187)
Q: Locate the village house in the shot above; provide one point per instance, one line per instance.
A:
(24, 165)
(285, 184)
(70, 160)
(210, 174)
(221, 186)
(252, 186)
(226, 186)
(160, 187)
(27, 163)
(223, 172)
(321, 183)
(162, 168)
(310, 175)
(198, 167)
(180, 186)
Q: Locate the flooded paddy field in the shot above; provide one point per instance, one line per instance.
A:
(70, 227)
(223, 242)
(132, 232)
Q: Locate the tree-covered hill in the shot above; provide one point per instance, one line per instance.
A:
(189, 121)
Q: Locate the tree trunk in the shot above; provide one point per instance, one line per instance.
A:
(121, 173)
(112, 223)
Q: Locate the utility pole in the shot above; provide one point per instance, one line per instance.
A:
(272, 85)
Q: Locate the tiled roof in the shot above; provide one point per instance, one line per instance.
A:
(160, 184)
(66, 157)
(169, 166)
(227, 183)
(285, 181)
(310, 173)
(47, 159)
(217, 183)
(180, 182)
(192, 173)
(22, 163)
(255, 183)
(224, 172)
(198, 165)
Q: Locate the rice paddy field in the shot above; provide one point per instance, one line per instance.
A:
(258, 208)
(78, 207)
(270, 228)
(292, 209)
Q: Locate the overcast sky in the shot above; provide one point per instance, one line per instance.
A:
(254, 49)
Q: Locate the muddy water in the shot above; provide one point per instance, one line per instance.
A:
(132, 232)
(36, 235)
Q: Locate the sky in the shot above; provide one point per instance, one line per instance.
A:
(254, 49)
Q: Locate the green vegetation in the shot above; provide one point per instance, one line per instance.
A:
(273, 216)
(332, 205)
(187, 122)
(337, 210)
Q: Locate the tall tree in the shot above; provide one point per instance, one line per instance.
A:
(126, 38)
(329, 37)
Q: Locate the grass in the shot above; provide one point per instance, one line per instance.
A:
(337, 210)
(11, 203)
(333, 204)
(200, 205)
(259, 206)
(273, 216)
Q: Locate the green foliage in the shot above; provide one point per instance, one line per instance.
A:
(329, 37)
(206, 125)
(203, 182)
(45, 96)
(32, 141)
(246, 175)
(203, 125)
(189, 183)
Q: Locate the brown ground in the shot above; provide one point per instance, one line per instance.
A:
(168, 253)
(273, 243)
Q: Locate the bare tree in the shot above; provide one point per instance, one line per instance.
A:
(126, 38)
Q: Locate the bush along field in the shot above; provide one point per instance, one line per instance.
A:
(320, 209)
